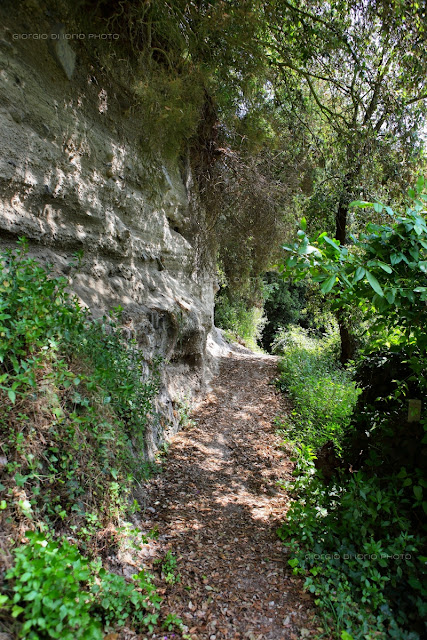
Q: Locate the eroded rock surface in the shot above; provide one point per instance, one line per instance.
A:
(75, 175)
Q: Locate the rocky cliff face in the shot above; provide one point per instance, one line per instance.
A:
(74, 175)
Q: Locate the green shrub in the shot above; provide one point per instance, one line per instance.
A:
(284, 305)
(118, 601)
(240, 321)
(120, 371)
(58, 593)
(322, 392)
(168, 566)
(353, 543)
(48, 598)
(358, 542)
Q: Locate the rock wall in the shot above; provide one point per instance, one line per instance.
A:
(74, 175)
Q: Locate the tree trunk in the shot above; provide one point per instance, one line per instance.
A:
(346, 196)
(341, 218)
(347, 340)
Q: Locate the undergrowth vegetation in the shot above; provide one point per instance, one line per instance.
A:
(241, 322)
(323, 393)
(75, 400)
(354, 538)
(355, 527)
(61, 594)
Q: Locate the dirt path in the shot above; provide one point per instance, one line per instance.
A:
(217, 507)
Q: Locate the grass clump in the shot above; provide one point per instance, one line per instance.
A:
(322, 392)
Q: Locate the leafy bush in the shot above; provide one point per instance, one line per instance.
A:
(241, 321)
(119, 369)
(292, 303)
(117, 601)
(360, 542)
(380, 436)
(322, 392)
(384, 272)
(284, 305)
(58, 593)
(48, 596)
(353, 543)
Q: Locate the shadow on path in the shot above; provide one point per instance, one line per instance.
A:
(218, 506)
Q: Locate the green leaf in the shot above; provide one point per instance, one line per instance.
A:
(361, 203)
(395, 258)
(390, 296)
(333, 243)
(303, 224)
(328, 284)
(418, 492)
(360, 272)
(420, 184)
(378, 207)
(303, 246)
(374, 283)
(12, 395)
(385, 267)
(379, 302)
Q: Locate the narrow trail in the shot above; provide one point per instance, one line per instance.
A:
(217, 506)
